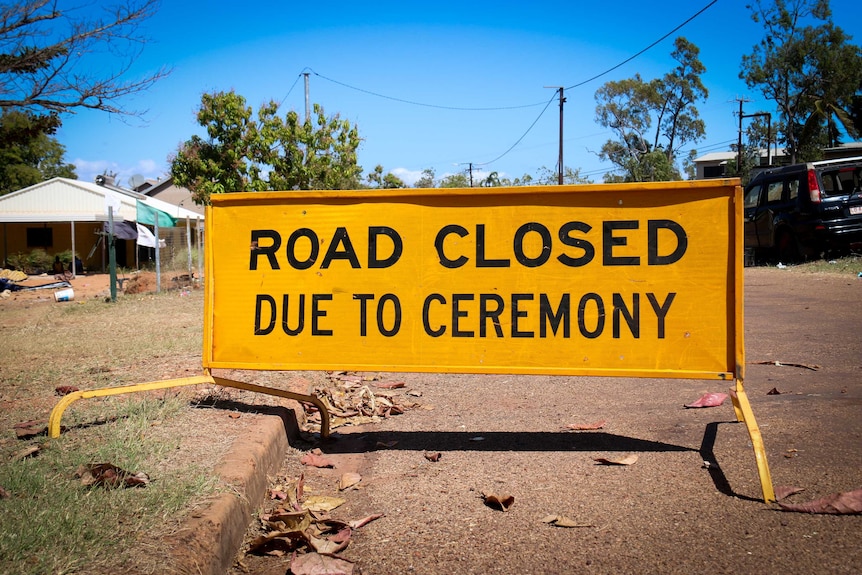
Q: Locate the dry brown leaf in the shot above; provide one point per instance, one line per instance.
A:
(587, 426)
(784, 491)
(322, 503)
(433, 457)
(319, 564)
(629, 459)
(65, 389)
(109, 475)
(277, 495)
(500, 502)
(348, 480)
(562, 521)
(26, 452)
(32, 428)
(326, 546)
(364, 521)
(288, 520)
(4, 494)
(847, 503)
(329, 536)
(812, 367)
(708, 400)
(390, 385)
(316, 460)
(277, 543)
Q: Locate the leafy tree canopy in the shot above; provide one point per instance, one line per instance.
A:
(269, 152)
(809, 68)
(28, 154)
(427, 180)
(545, 177)
(653, 118)
(458, 180)
(378, 179)
(47, 49)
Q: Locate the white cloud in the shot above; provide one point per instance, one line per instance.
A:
(409, 177)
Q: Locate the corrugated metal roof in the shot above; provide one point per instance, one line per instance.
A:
(65, 200)
(716, 157)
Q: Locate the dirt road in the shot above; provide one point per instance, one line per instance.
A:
(668, 512)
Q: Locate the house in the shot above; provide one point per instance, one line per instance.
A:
(63, 214)
(165, 190)
(714, 164)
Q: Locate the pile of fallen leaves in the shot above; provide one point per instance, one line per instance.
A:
(354, 399)
(303, 527)
(110, 476)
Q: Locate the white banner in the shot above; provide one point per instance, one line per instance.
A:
(146, 237)
(112, 200)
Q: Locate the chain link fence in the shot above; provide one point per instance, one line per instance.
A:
(180, 257)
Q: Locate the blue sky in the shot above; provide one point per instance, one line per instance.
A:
(403, 72)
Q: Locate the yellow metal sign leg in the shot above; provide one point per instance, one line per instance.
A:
(57, 413)
(746, 415)
(316, 401)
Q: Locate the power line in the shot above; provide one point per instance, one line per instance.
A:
(298, 76)
(501, 108)
(654, 44)
(424, 104)
(524, 135)
(516, 107)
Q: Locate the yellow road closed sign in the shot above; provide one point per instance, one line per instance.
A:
(621, 280)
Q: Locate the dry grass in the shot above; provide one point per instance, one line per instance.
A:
(848, 265)
(50, 522)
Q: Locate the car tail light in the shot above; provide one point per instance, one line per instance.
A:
(813, 187)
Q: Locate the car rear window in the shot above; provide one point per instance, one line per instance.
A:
(840, 181)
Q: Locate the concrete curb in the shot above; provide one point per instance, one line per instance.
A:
(208, 542)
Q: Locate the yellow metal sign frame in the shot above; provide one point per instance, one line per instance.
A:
(626, 281)
(633, 280)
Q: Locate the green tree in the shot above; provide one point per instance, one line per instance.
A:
(270, 152)
(493, 180)
(53, 61)
(525, 180)
(811, 72)
(652, 118)
(678, 119)
(458, 180)
(28, 152)
(688, 165)
(548, 177)
(385, 181)
(427, 180)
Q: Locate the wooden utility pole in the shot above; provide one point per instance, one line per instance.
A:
(739, 141)
(560, 157)
(307, 106)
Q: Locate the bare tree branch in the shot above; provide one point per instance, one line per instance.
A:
(47, 50)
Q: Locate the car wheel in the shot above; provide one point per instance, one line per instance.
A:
(787, 248)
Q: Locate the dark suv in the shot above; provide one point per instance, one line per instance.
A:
(805, 210)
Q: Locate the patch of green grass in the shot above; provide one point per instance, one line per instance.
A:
(52, 523)
(848, 265)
